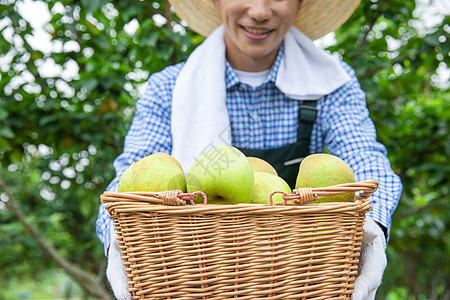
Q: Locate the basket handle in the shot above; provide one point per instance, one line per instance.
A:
(173, 198)
(303, 195)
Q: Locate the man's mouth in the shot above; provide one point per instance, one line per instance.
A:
(256, 31)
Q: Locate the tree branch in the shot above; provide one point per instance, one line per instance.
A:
(147, 7)
(371, 72)
(418, 209)
(86, 280)
(398, 60)
(364, 40)
(168, 14)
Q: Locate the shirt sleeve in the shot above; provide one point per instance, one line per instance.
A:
(149, 133)
(345, 128)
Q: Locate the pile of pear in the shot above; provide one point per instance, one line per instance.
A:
(227, 176)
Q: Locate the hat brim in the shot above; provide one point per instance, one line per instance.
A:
(316, 18)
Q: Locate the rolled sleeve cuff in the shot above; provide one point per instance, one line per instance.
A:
(103, 228)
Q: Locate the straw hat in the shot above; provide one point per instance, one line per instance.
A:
(316, 18)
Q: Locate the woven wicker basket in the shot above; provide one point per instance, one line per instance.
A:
(290, 250)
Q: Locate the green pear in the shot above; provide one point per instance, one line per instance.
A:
(167, 156)
(323, 170)
(265, 184)
(260, 165)
(153, 173)
(224, 174)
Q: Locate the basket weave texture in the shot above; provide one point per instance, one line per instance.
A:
(244, 251)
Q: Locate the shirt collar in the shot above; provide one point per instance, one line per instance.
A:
(231, 78)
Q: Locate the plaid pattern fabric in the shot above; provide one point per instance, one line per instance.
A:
(263, 118)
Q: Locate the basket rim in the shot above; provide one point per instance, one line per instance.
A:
(300, 196)
(241, 208)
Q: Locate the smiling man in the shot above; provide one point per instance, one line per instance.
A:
(254, 33)
(259, 83)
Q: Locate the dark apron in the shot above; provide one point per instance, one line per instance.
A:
(286, 159)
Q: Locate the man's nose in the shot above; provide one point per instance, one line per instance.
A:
(259, 10)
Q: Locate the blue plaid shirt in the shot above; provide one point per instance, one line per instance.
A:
(263, 118)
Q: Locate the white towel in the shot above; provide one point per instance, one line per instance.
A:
(199, 114)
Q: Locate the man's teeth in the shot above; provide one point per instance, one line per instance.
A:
(257, 31)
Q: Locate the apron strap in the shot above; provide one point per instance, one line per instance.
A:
(307, 114)
(286, 159)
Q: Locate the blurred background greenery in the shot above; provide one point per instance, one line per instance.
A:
(70, 82)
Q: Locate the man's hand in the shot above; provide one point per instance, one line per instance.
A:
(372, 262)
(115, 271)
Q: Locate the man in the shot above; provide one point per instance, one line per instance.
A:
(260, 84)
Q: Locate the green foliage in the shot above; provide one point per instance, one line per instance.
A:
(60, 132)
(410, 108)
(55, 285)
